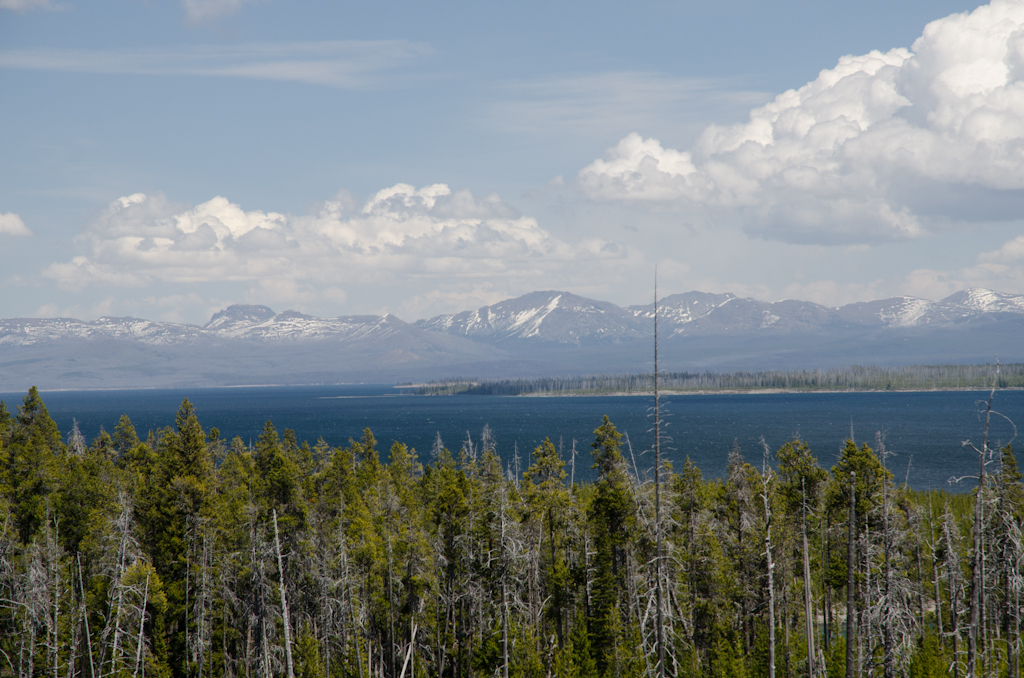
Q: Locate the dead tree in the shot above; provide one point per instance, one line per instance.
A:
(851, 582)
(766, 479)
(289, 667)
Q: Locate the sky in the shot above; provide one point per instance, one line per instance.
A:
(166, 158)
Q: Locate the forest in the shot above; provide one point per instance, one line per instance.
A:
(180, 554)
(854, 378)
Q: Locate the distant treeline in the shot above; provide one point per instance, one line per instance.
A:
(856, 378)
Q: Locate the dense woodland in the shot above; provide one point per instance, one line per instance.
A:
(183, 555)
(856, 378)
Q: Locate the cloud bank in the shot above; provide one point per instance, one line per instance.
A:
(884, 146)
(430, 236)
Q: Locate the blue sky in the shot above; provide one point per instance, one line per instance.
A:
(163, 159)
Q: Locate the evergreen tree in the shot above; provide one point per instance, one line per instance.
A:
(34, 454)
(611, 519)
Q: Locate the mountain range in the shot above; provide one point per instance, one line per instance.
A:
(541, 333)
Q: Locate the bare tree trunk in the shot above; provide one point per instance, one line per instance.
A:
(888, 660)
(55, 558)
(657, 495)
(826, 590)
(851, 583)
(766, 477)
(920, 589)
(391, 606)
(954, 613)
(808, 605)
(1008, 612)
(935, 575)
(85, 615)
(284, 605)
(504, 585)
(978, 557)
(139, 654)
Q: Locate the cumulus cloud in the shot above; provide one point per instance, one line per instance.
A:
(883, 146)
(12, 224)
(402, 234)
(330, 63)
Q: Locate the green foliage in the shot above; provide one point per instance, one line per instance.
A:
(392, 563)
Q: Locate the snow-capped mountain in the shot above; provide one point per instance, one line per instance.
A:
(681, 309)
(545, 316)
(261, 323)
(566, 318)
(238, 322)
(538, 334)
(693, 315)
(27, 331)
(556, 317)
(958, 307)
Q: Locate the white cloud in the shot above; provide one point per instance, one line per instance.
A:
(1001, 270)
(401, 236)
(334, 63)
(27, 5)
(1011, 251)
(883, 146)
(12, 224)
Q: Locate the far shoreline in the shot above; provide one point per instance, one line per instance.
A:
(760, 391)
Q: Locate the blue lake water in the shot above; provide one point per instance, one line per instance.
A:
(924, 430)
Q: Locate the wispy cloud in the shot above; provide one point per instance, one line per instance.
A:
(27, 5)
(204, 11)
(336, 63)
(597, 104)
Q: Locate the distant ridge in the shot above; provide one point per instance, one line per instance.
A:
(543, 333)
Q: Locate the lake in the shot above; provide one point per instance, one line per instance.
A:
(924, 429)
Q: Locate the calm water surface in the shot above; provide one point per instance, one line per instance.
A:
(925, 430)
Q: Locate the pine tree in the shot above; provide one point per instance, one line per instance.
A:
(611, 519)
(34, 452)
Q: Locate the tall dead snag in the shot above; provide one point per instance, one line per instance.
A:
(766, 480)
(808, 604)
(851, 582)
(977, 610)
(657, 496)
(284, 604)
(937, 592)
(951, 536)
